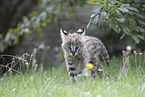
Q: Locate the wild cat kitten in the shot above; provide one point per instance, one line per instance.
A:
(80, 50)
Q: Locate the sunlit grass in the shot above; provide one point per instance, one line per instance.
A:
(56, 82)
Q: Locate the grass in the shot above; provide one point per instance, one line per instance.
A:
(119, 82)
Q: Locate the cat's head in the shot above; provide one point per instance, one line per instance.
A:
(73, 43)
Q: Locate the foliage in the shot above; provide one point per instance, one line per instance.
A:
(25, 62)
(51, 10)
(120, 16)
(55, 82)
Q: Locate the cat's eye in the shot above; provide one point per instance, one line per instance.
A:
(76, 48)
(69, 48)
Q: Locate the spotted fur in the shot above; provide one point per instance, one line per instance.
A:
(80, 50)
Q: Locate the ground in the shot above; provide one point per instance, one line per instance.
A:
(120, 80)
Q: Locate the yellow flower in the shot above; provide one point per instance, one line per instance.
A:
(90, 65)
(100, 70)
(140, 53)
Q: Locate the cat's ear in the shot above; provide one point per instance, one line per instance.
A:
(63, 32)
(81, 31)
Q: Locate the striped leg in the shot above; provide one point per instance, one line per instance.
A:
(100, 71)
(94, 71)
(72, 72)
(97, 69)
(95, 66)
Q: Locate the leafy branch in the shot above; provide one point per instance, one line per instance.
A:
(121, 17)
(52, 10)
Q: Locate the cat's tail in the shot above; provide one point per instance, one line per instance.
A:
(105, 55)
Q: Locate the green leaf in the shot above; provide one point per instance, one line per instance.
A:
(140, 36)
(113, 10)
(92, 16)
(115, 28)
(34, 13)
(91, 2)
(119, 3)
(125, 29)
(44, 24)
(25, 19)
(99, 1)
(13, 36)
(132, 8)
(137, 14)
(97, 8)
(124, 5)
(104, 4)
(139, 29)
(39, 31)
(143, 23)
(104, 15)
(118, 13)
(123, 9)
(48, 20)
(96, 19)
(120, 19)
(26, 30)
(135, 38)
(43, 16)
(7, 37)
(16, 40)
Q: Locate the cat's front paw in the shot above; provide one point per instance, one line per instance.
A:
(73, 80)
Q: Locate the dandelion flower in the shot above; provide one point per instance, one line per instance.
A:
(140, 53)
(100, 70)
(90, 65)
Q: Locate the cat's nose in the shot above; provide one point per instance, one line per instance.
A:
(73, 52)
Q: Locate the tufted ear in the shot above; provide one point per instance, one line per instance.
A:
(81, 31)
(63, 34)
